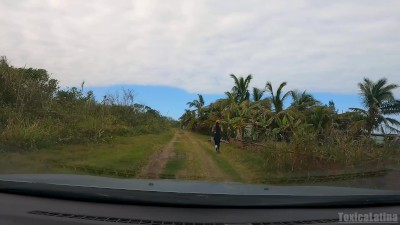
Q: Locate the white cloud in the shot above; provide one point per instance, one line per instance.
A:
(320, 46)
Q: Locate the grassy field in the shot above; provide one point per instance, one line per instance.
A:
(223, 160)
(184, 155)
(126, 154)
(243, 164)
(269, 166)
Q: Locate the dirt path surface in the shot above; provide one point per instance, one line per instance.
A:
(158, 160)
(200, 165)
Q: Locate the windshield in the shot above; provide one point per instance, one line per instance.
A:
(275, 93)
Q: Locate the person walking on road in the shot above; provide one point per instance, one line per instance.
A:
(217, 133)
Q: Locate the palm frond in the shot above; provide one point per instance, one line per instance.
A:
(257, 94)
(393, 121)
(268, 86)
(281, 86)
(201, 99)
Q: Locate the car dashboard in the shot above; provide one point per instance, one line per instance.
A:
(22, 209)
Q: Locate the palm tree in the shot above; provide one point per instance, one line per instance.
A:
(278, 98)
(302, 100)
(198, 104)
(188, 119)
(378, 101)
(257, 94)
(231, 112)
(241, 88)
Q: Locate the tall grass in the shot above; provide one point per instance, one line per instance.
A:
(337, 154)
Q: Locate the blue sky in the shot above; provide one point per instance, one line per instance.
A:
(167, 100)
(172, 101)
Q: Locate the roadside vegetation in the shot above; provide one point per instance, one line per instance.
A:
(272, 135)
(123, 158)
(36, 113)
(305, 136)
(48, 129)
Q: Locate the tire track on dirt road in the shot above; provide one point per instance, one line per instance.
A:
(200, 165)
(158, 160)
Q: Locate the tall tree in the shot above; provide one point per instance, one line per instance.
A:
(378, 101)
(197, 103)
(279, 97)
(241, 88)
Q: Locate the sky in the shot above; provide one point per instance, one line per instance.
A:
(168, 51)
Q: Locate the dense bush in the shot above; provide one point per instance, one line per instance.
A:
(35, 112)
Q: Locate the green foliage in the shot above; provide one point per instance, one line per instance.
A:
(303, 100)
(177, 163)
(279, 97)
(35, 112)
(257, 94)
(240, 90)
(306, 126)
(378, 99)
(126, 155)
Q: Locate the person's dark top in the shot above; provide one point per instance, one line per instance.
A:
(217, 129)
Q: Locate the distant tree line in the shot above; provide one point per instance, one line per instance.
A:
(260, 115)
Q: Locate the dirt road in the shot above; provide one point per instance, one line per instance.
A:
(201, 162)
(158, 160)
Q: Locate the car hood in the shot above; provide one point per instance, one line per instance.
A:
(193, 193)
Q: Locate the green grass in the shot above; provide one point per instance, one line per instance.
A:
(253, 162)
(245, 165)
(176, 164)
(220, 160)
(193, 168)
(272, 165)
(125, 154)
